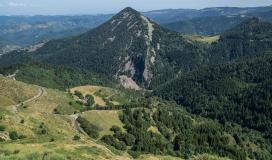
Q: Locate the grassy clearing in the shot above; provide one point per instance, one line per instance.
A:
(91, 90)
(204, 39)
(104, 95)
(104, 120)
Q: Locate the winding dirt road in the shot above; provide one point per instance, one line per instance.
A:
(14, 108)
(76, 125)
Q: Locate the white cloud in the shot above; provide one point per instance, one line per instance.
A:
(15, 4)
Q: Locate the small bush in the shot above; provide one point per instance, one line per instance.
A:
(56, 111)
(42, 129)
(127, 138)
(90, 129)
(76, 138)
(21, 136)
(13, 135)
(134, 154)
(79, 95)
(79, 102)
(115, 129)
(16, 151)
(22, 121)
(90, 100)
(2, 128)
(110, 140)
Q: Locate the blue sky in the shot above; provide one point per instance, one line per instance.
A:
(57, 7)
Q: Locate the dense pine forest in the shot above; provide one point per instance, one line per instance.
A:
(238, 91)
(58, 77)
(172, 131)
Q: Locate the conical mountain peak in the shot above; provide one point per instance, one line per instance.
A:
(126, 13)
(131, 21)
(129, 9)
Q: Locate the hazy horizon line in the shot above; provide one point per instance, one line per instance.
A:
(97, 14)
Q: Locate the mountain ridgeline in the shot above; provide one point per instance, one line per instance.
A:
(176, 15)
(27, 30)
(206, 25)
(218, 22)
(138, 53)
(129, 47)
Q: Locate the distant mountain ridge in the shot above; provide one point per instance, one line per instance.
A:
(206, 25)
(174, 15)
(28, 30)
(217, 23)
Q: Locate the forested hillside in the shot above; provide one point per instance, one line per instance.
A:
(172, 131)
(57, 77)
(250, 38)
(206, 25)
(238, 92)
